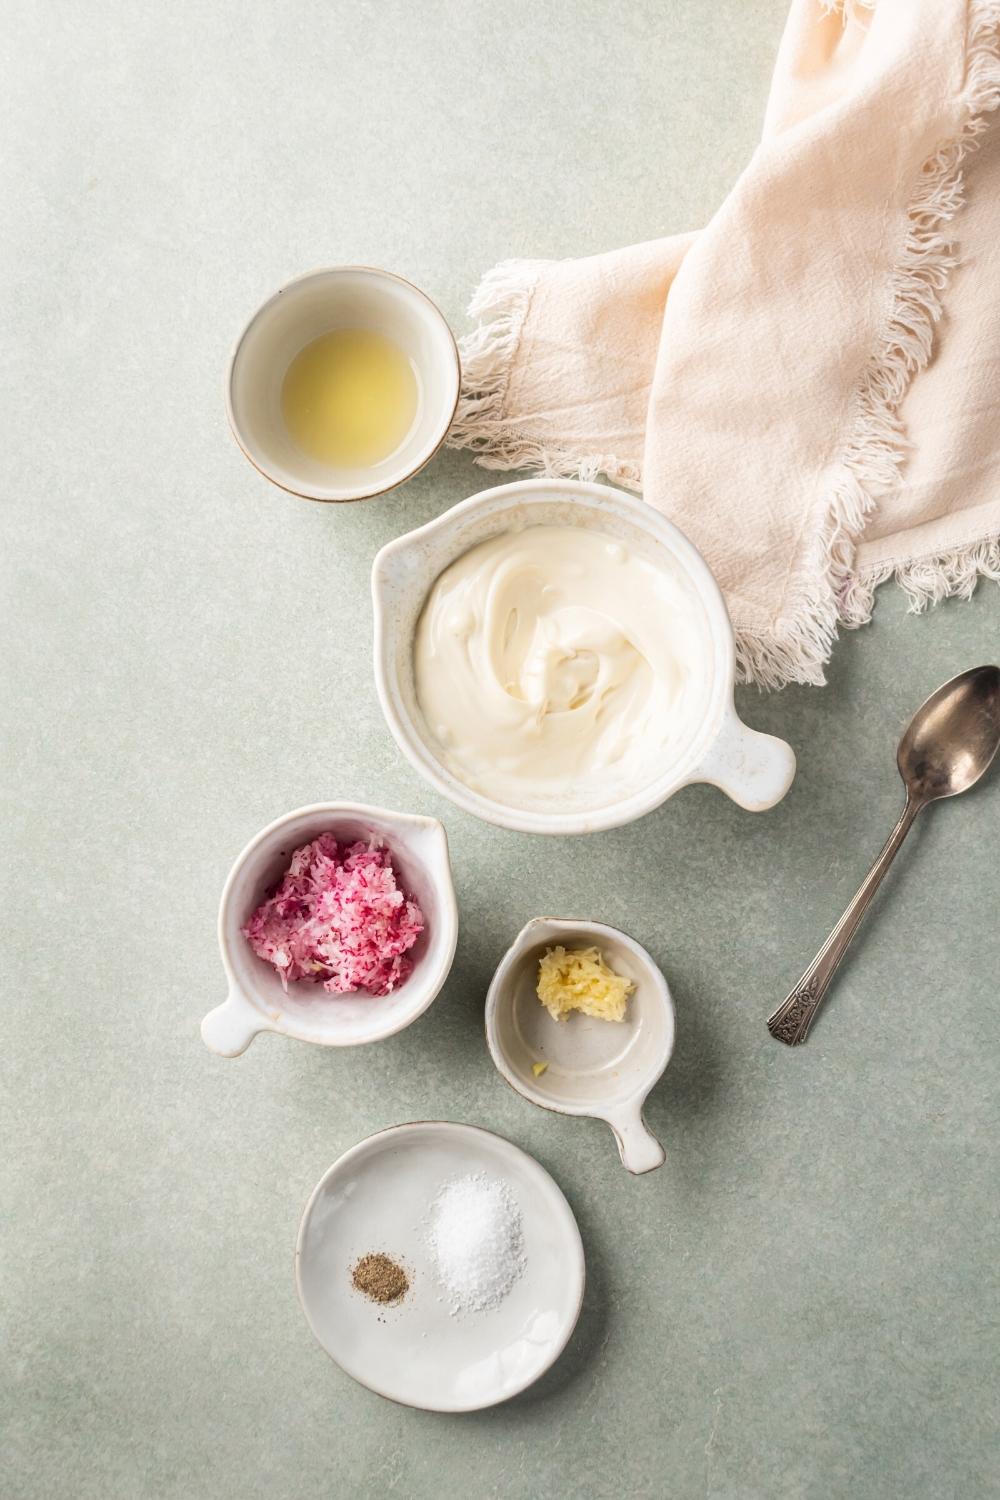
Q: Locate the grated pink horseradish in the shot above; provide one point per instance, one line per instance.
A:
(339, 920)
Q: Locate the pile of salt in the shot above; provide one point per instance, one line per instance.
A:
(475, 1238)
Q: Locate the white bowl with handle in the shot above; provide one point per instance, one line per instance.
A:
(256, 1000)
(581, 1065)
(754, 769)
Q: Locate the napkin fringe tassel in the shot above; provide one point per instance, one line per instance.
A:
(927, 580)
(501, 304)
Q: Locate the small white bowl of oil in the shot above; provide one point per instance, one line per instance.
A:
(343, 384)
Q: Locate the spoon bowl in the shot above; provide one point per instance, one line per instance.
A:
(953, 736)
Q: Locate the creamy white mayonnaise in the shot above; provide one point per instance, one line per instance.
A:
(557, 666)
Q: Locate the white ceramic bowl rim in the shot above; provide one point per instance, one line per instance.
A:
(752, 768)
(333, 493)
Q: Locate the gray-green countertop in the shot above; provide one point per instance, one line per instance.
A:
(802, 1302)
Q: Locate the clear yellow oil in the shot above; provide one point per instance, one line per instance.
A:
(349, 398)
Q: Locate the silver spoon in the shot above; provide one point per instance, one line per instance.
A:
(949, 743)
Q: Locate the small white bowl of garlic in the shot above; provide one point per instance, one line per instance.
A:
(578, 1063)
(556, 657)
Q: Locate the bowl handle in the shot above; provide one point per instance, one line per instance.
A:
(638, 1147)
(754, 769)
(231, 1027)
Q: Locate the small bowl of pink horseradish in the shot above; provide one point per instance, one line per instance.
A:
(337, 925)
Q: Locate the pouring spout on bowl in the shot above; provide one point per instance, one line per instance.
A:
(638, 1147)
(229, 1029)
(754, 769)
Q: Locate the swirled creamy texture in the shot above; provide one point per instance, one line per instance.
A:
(557, 666)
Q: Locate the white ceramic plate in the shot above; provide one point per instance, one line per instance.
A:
(376, 1198)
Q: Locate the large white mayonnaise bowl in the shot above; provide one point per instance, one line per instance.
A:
(754, 769)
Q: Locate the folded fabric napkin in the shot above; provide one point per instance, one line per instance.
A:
(809, 386)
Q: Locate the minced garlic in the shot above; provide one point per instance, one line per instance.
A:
(579, 979)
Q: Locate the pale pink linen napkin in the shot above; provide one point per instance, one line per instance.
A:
(782, 383)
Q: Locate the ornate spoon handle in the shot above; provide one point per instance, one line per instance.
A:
(791, 1021)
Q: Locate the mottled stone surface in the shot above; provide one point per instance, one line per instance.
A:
(798, 1305)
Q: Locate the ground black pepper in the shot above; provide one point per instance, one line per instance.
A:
(380, 1278)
